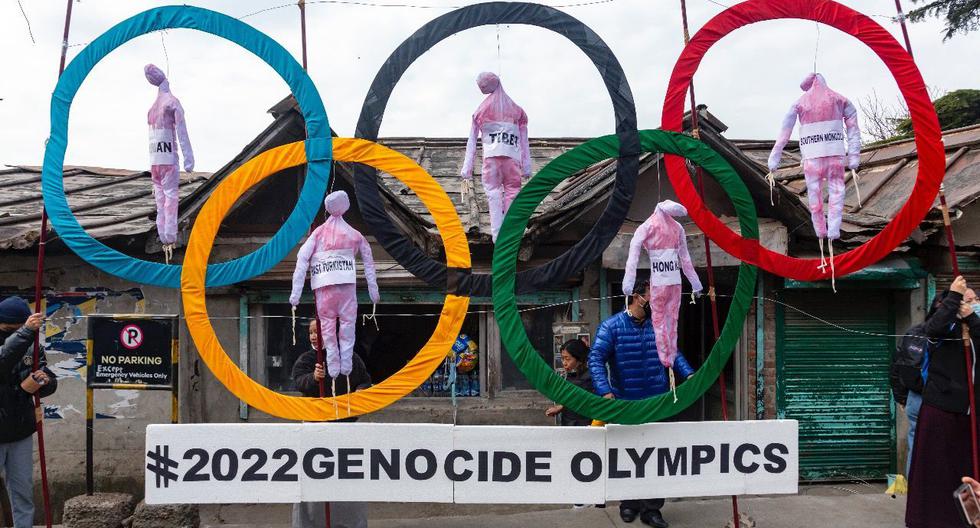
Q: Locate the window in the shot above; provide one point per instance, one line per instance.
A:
(538, 324)
(401, 331)
(281, 354)
(467, 383)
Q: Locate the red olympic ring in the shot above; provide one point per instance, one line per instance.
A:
(932, 158)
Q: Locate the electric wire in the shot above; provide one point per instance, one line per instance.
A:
(528, 309)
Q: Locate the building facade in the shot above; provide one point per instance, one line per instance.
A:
(806, 352)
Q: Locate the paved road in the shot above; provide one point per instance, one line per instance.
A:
(843, 506)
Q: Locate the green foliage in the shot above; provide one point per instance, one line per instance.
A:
(962, 16)
(956, 109)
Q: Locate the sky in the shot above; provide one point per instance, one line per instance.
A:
(747, 80)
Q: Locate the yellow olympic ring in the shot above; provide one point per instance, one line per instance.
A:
(202, 240)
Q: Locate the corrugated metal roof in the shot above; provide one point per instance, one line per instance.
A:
(107, 202)
(886, 177)
(577, 194)
(443, 158)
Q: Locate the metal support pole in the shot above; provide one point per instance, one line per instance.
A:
(38, 284)
(695, 131)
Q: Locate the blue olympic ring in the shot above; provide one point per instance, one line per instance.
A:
(318, 148)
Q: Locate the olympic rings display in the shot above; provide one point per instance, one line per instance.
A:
(455, 275)
(154, 273)
(928, 142)
(606, 227)
(195, 269)
(512, 331)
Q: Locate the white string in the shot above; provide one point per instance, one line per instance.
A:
(372, 317)
(166, 55)
(816, 47)
(376, 4)
(659, 187)
(718, 4)
(69, 318)
(500, 67)
(857, 186)
(412, 6)
(28, 21)
(771, 178)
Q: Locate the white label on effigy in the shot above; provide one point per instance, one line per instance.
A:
(163, 150)
(822, 139)
(665, 269)
(288, 463)
(334, 266)
(501, 139)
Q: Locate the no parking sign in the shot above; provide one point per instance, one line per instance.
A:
(127, 352)
(132, 351)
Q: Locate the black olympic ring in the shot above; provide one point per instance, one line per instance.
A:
(585, 251)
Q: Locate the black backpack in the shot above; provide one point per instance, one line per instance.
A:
(906, 370)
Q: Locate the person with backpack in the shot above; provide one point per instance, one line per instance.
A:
(942, 453)
(907, 376)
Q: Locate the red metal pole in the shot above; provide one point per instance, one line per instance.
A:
(38, 284)
(323, 383)
(967, 349)
(905, 30)
(707, 254)
(323, 387)
(302, 25)
(319, 331)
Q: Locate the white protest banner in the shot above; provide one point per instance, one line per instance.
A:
(672, 460)
(364, 462)
(284, 463)
(251, 463)
(526, 465)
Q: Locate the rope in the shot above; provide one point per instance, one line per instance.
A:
(771, 178)
(830, 324)
(372, 317)
(857, 187)
(411, 6)
(28, 21)
(816, 47)
(166, 56)
(500, 64)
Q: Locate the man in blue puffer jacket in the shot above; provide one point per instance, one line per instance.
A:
(625, 342)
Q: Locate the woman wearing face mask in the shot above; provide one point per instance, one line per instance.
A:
(942, 453)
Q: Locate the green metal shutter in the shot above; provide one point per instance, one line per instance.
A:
(835, 382)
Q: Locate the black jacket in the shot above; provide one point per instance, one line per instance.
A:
(17, 420)
(567, 416)
(946, 384)
(303, 376)
(906, 371)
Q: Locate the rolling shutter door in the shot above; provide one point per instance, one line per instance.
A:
(835, 382)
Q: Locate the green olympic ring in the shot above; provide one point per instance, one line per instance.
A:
(512, 332)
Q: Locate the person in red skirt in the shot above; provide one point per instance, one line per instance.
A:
(943, 453)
